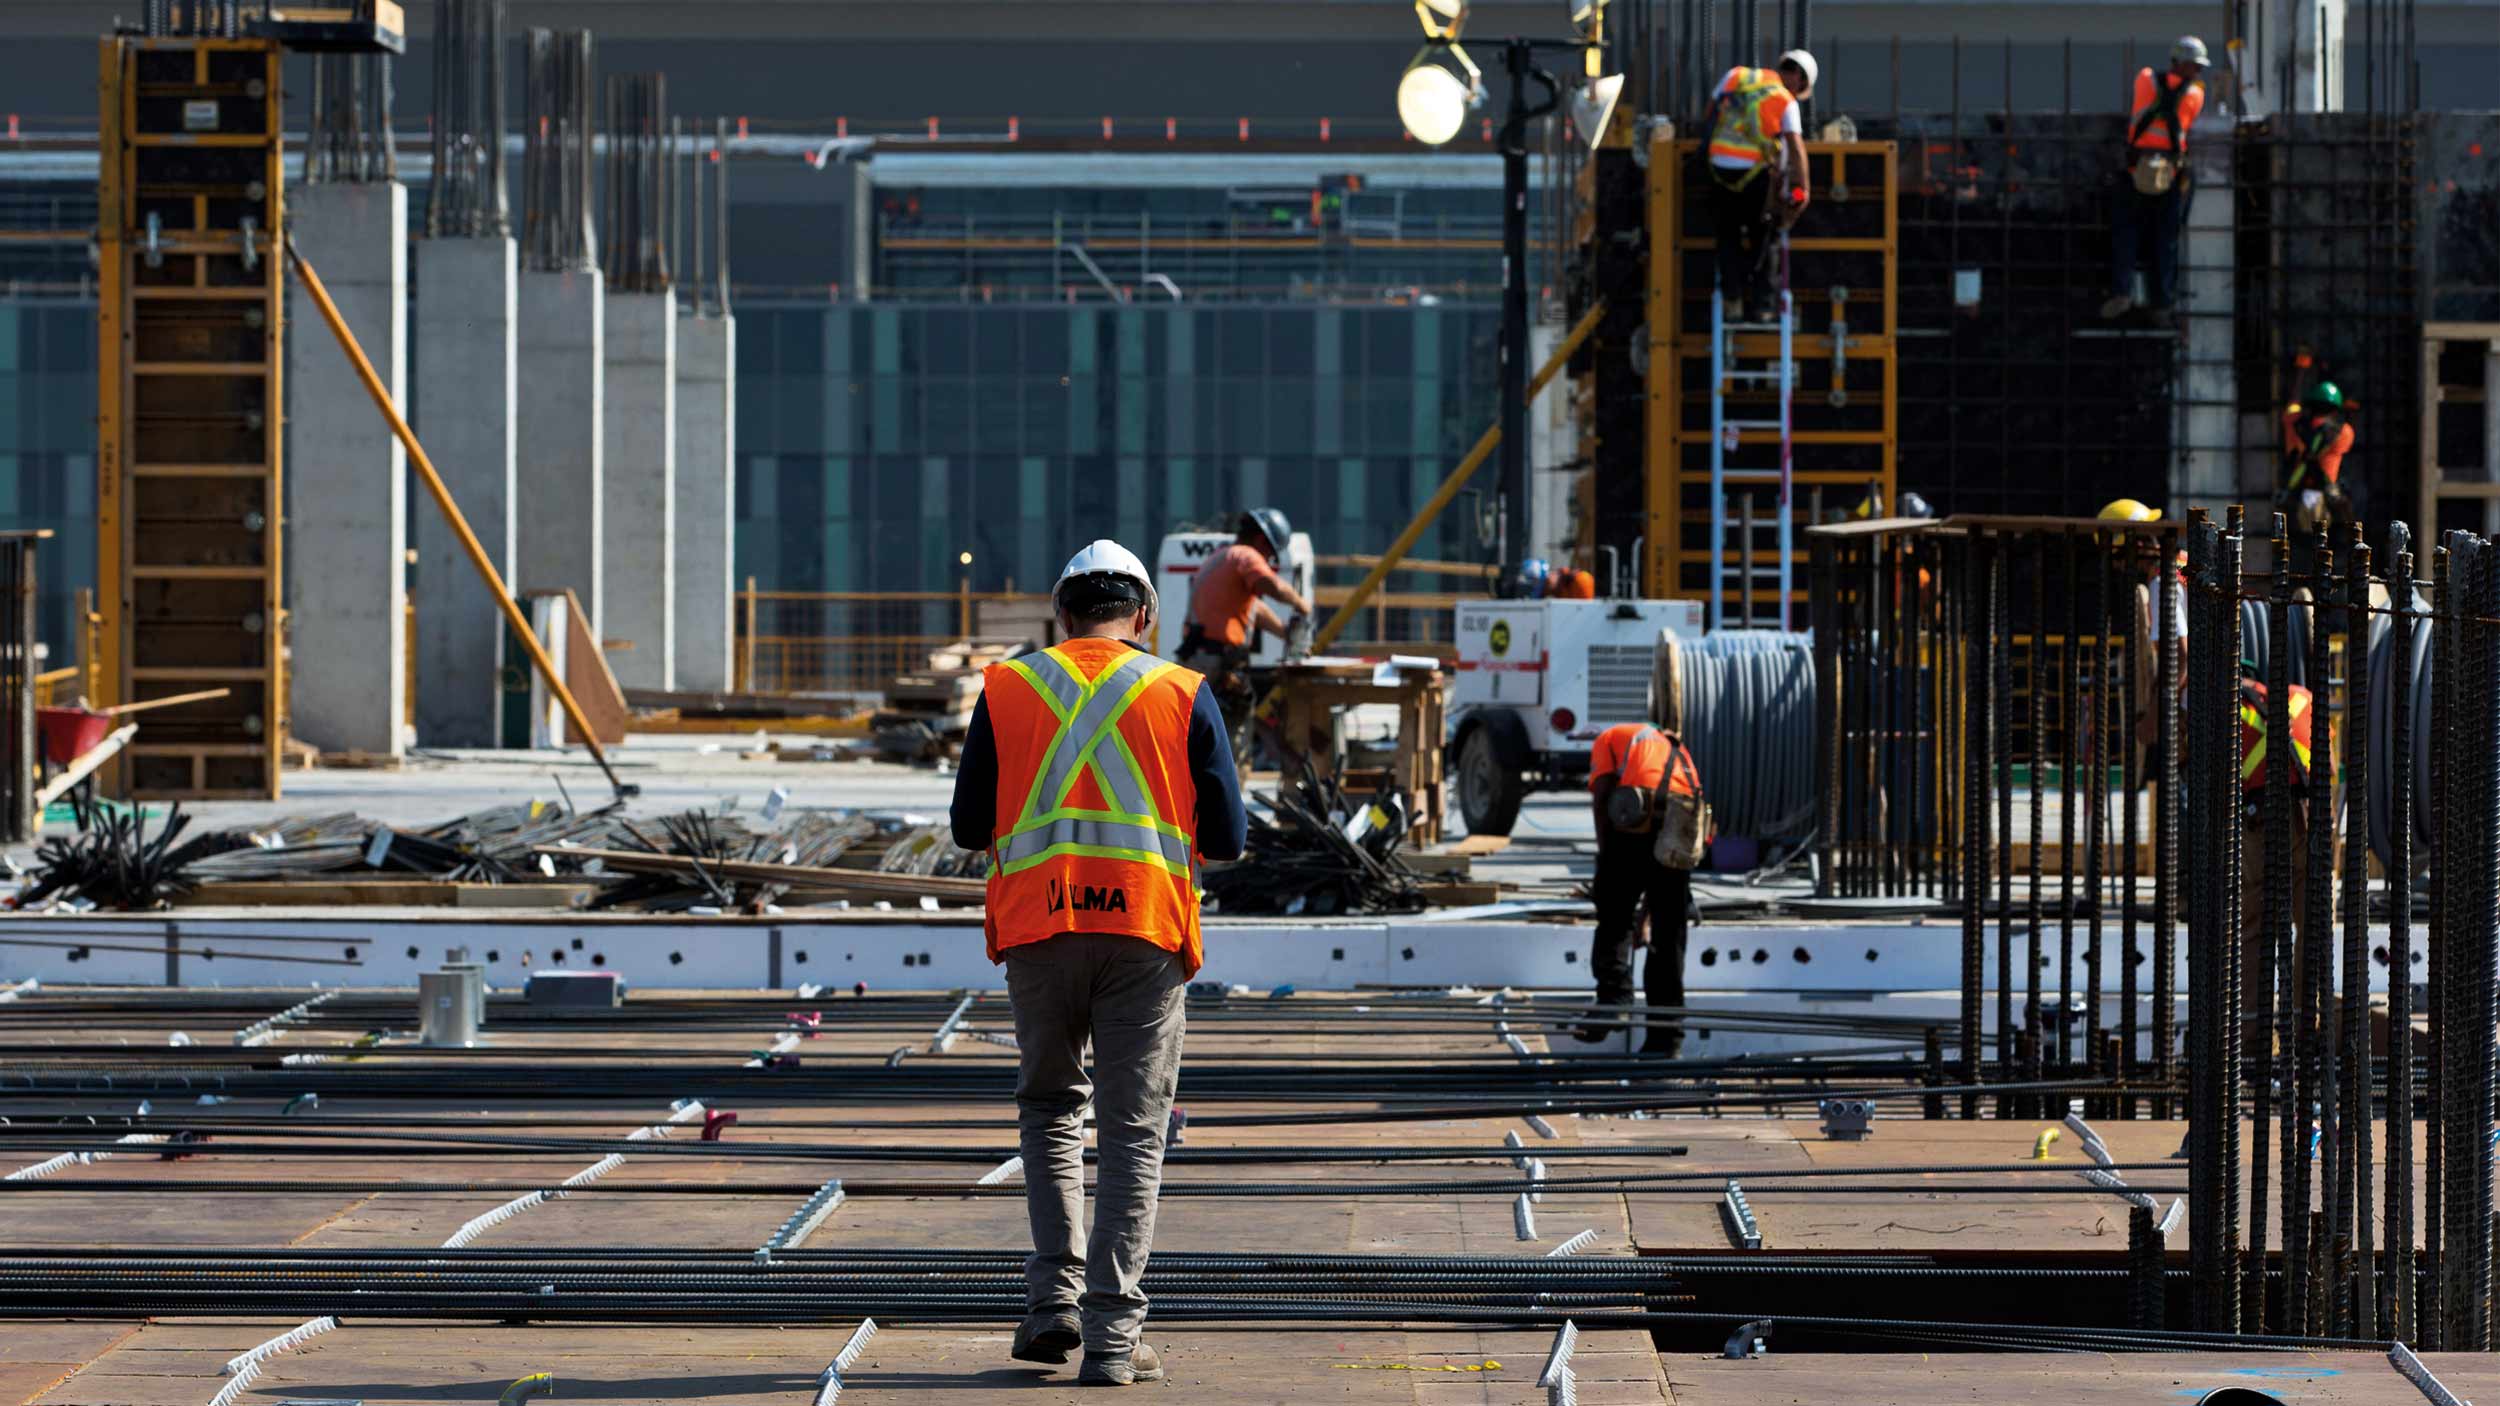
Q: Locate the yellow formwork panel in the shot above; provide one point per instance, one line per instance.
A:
(191, 410)
(1840, 445)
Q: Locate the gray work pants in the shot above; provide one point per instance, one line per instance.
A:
(1127, 995)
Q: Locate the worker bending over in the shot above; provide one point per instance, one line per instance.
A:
(1632, 767)
(1758, 179)
(1096, 776)
(2316, 437)
(2152, 199)
(1228, 609)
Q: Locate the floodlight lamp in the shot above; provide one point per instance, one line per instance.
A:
(1435, 93)
(1593, 107)
(1442, 19)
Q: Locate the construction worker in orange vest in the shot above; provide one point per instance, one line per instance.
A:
(1629, 766)
(2259, 874)
(2152, 198)
(1758, 177)
(2316, 437)
(1097, 776)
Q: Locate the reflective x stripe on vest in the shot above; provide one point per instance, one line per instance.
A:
(2253, 735)
(1740, 134)
(1089, 740)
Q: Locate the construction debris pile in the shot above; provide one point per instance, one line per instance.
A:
(691, 862)
(1323, 853)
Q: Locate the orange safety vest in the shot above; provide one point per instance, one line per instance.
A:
(1752, 104)
(2147, 127)
(2253, 735)
(1097, 808)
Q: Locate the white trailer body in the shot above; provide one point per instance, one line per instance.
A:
(1538, 680)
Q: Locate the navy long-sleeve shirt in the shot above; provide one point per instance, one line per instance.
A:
(1222, 827)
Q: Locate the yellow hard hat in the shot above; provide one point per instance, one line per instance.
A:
(2129, 510)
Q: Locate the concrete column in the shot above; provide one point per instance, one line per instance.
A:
(707, 421)
(556, 476)
(468, 347)
(347, 525)
(2205, 426)
(639, 489)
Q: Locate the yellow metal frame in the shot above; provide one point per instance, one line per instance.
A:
(119, 469)
(1678, 458)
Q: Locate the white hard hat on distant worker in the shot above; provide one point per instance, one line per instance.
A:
(2190, 49)
(1101, 563)
(1805, 64)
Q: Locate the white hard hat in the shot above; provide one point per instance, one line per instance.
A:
(2190, 49)
(1104, 557)
(1805, 65)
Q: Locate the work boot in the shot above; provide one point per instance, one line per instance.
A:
(1142, 1365)
(2116, 305)
(1047, 1335)
(1666, 1043)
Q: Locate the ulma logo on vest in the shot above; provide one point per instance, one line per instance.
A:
(1089, 899)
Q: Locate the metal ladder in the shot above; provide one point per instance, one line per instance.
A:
(1726, 437)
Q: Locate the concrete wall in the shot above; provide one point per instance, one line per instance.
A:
(707, 421)
(468, 307)
(638, 489)
(347, 526)
(561, 450)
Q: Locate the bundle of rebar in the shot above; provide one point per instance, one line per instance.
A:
(558, 134)
(809, 1286)
(466, 198)
(641, 151)
(352, 143)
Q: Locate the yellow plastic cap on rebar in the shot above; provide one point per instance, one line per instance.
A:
(535, 1384)
(2129, 510)
(2040, 1148)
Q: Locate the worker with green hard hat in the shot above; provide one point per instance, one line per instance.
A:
(2317, 434)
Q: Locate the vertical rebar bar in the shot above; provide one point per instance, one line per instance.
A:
(2095, 790)
(2354, 1210)
(2321, 1126)
(2436, 1170)
(2171, 654)
(2069, 663)
(2286, 975)
(2403, 1326)
(2221, 800)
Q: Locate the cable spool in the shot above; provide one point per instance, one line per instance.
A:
(2383, 726)
(1743, 700)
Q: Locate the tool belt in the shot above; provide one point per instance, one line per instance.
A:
(2155, 173)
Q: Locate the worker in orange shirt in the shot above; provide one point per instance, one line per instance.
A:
(1228, 609)
(1096, 776)
(1630, 765)
(2152, 200)
(2316, 437)
(1570, 583)
(1758, 180)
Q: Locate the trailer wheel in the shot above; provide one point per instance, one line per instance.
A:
(1490, 786)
